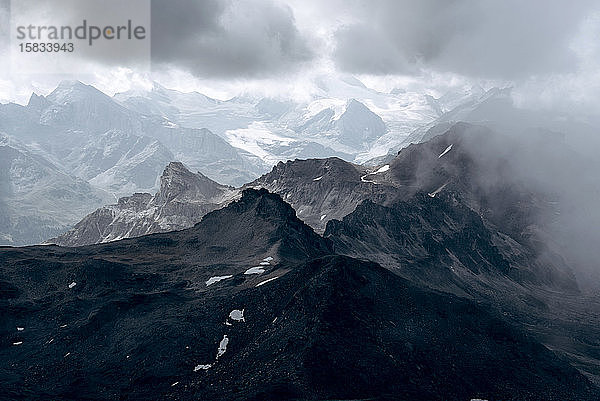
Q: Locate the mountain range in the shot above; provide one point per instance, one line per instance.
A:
(120, 145)
(438, 273)
(468, 159)
(39, 200)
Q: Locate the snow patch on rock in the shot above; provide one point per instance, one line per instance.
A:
(266, 281)
(255, 270)
(437, 191)
(237, 315)
(382, 169)
(216, 279)
(222, 346)
(445, 151)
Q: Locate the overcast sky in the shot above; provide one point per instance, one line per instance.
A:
(549, 50)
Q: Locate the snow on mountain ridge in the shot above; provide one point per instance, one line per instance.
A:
(122, 143)
(278, 129)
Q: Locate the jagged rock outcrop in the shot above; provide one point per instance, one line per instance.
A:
(322, 189)
(183, 198)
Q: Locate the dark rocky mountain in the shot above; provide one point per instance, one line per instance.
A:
(443, 244)
(479, 164)
(524, 199)
(322, 189)
(475, 170)
(183, 198)
(474, 162)
(252, 304)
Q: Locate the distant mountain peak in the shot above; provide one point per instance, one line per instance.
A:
(354, 108)
(359, 125)
(37, 102)
(294, 170)
(70, 83)
(158, 87)
(353, 103)
(353, 81)
(259, 220)
(178, 180)
(177, 170)
(75, 85)
(175, 167)
(264, 202)
(72, 90)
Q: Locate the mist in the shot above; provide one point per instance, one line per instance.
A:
(556, 157)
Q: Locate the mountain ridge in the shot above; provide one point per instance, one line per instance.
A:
(182, 199)
(125, 316)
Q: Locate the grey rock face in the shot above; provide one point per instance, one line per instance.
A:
(182, 200)
(322, 189)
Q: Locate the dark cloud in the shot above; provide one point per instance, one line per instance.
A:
(209, 38)
(216, 38)
(505, 39)
(491, 39)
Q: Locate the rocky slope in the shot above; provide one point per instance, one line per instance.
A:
(183, 198)
(422, 232)
(251, 304)
(322, 189)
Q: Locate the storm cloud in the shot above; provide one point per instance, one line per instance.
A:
(508, 39)
(548, 51)
(216, 38)
(224, 39)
